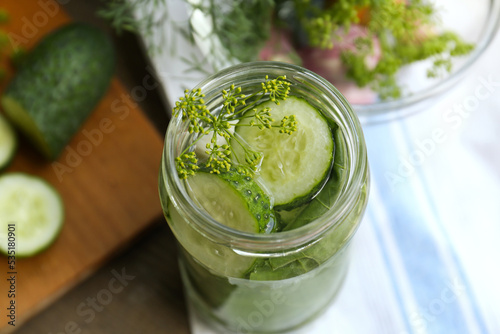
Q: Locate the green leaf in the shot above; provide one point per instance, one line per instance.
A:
(264, 270)
(332, 189)
(245, 29)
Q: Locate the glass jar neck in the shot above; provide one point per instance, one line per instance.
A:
(334, 107)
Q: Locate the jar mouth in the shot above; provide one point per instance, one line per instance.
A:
(242, 242)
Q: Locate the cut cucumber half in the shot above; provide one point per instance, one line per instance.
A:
(234, 200)
(295, 167)
(34, 208)
(8, 142)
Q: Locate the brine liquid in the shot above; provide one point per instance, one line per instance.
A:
(236, 305)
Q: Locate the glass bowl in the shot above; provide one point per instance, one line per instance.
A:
(474, 21)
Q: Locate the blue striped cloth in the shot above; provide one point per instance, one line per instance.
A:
(426, 258)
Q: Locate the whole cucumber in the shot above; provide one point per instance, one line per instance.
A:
(59, 84)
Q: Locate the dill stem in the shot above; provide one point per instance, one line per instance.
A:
(193, 143)
(243, 145)
(249, 106)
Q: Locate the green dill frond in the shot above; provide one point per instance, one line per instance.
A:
(253, 158)
(278, 89)
(235, 106)
(232, 99)
(138, 16)
(186, 164)
(321, 31)
(405, 30)
(262, 119)
(440, 66)
(321, 23)
(242, 26)
(219, 158)
(120, 15)
(245, 170)
(193, 109)
(288, 124)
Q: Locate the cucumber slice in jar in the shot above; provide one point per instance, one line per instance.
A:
(295, 167)
(8, 142)
(233, 199)
(33, 208)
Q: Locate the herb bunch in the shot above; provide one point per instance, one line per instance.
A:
(406, 31)
(236, 106)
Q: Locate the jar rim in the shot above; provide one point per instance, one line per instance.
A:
(244, 242)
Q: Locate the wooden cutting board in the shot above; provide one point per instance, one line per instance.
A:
(107, 177)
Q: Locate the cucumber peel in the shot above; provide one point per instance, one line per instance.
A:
(36, 210)
(233, 199)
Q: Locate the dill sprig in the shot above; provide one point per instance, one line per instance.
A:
(137, 16)
(400, 28)
(235, 106)
(242, 26)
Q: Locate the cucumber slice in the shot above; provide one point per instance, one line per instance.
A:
(295, 167)
(234, 200)
(8, 142)
(35, 208)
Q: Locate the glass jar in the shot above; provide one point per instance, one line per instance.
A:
(215, 260)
